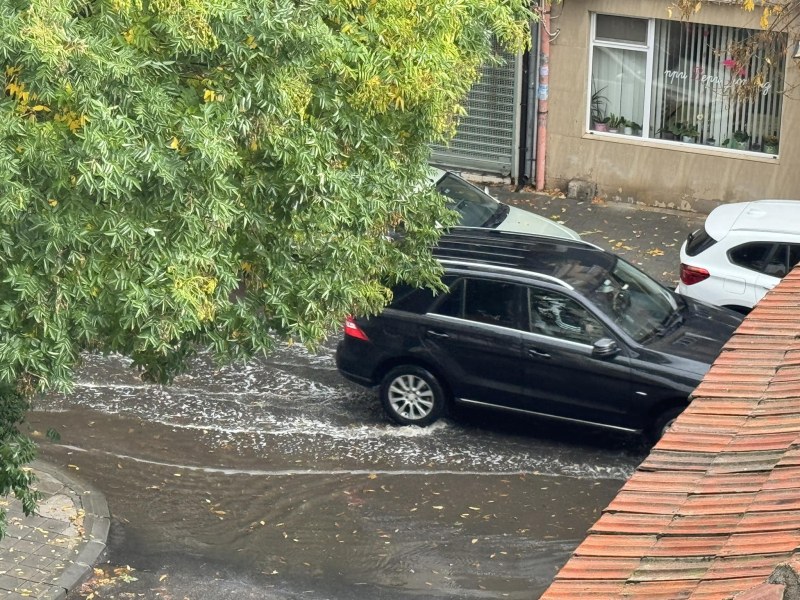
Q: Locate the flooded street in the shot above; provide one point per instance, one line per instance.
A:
(281, 480)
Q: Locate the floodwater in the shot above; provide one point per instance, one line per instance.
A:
(280, 480)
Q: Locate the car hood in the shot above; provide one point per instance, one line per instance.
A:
(524, 222)
(702, 334)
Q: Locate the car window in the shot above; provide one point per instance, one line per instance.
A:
(475, 207)
(415, 300)
(794, 255)
(483, 301)
(698, 241)
(559, 316)
(633, 300)
(762, 257)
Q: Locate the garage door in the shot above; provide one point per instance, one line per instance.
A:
(485, 138)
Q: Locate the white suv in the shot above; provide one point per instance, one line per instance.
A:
(742, 252)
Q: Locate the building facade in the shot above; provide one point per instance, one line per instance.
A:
(692, 140)
(648, 107)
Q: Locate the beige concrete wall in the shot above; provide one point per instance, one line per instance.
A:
(689, 176)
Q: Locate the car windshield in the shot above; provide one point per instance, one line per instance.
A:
(638, 304)
(476, 208)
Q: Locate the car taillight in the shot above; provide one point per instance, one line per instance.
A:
(691, 275)
(352, 329)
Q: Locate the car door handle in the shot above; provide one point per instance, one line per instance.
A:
(538, 353)
(437, 334)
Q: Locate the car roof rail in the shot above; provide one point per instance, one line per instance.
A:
(486, 235)
(503, 269)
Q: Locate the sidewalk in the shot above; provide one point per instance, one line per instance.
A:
(650, 238)
(48, 554)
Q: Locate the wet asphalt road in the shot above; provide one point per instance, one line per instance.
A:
(280, 480)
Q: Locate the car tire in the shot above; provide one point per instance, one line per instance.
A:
(412, 395)
(664, 422)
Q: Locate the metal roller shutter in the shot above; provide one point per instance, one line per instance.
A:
(485, 138)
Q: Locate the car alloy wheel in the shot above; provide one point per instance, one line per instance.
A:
(412, 395)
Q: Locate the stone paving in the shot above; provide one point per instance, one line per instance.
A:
(48, 554)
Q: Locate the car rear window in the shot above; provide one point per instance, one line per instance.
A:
(699, 241)
(415, 300)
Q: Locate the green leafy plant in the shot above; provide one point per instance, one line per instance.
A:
(688, 130)
(770, 140)
(741, 135)
(218, 174)
(598, 103)
(615, 121)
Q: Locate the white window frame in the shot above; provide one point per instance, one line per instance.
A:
(649, 49)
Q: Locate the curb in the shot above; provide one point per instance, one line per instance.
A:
(96, 524)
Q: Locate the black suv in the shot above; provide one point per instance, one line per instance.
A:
(556, 328)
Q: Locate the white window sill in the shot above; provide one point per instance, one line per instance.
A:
(635, 140)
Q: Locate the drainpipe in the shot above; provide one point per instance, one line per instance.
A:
(542, 94)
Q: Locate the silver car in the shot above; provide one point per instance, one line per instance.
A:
(479, 209)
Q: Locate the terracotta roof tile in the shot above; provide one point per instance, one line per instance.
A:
(784, 499)
(671, 569)
(745, 544)
(717, 504)
(715, 507)
(783, 478)
(791, 457)
(663, 481)
(720, 483)
(590, 567)
(631, 523)
(677, 461)
(745, 566)
(723, 589)
(683, 546)
(607, 545)
(688, 441)
(740, 462)
(723, 406)
(763, 441)
(595, 589)
(754, 522)
(658, 590)
(688, 525)
(646, 502)
(764, 591)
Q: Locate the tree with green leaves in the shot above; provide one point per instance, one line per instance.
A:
(216, 174)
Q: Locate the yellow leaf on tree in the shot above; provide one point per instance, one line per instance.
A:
(209, 95)
(39, 108)
(174, 143)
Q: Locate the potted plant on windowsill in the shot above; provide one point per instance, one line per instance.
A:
(598, 111)
(689, 134)
(631, 128)
(741, 140)
(671, 131)
(601, 124)
(615, 122)
(769, 144)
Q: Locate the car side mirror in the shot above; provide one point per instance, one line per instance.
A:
(604, 348)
